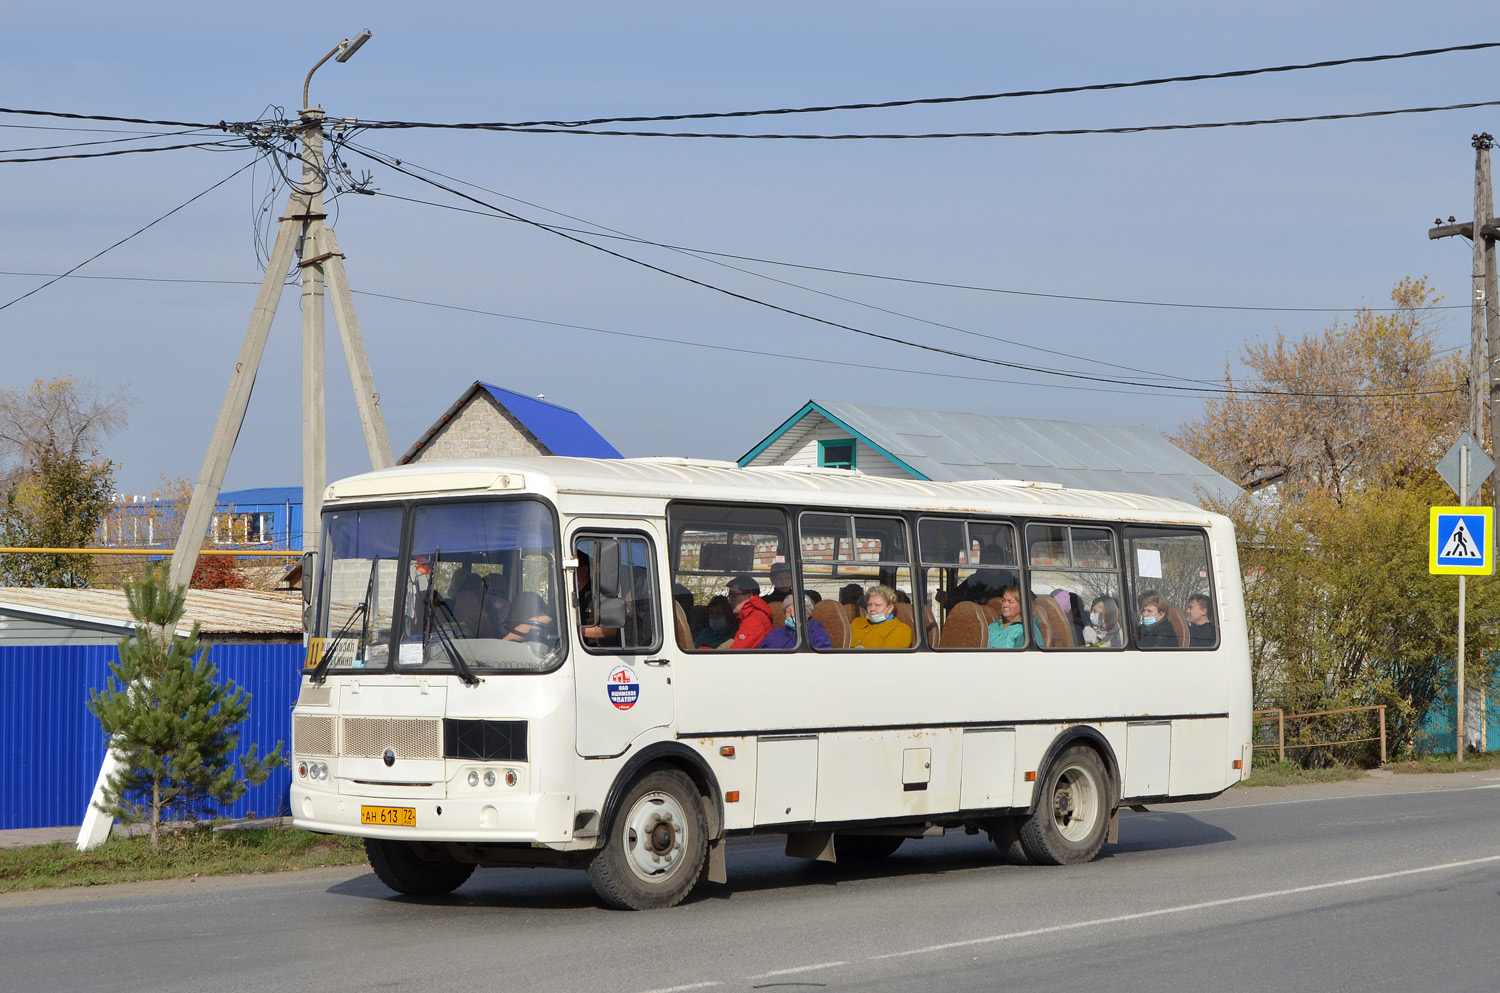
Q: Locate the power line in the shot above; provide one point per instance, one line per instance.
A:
(105, 117)
(1052, 91)
(123, 240)
(228, 144)
(861, 331)
(1052, 132)
(102, 141)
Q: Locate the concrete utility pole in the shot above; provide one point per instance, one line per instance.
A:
(301, 232)
(1484, 375)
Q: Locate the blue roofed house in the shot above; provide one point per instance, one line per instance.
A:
(908, 443)
(490, 422)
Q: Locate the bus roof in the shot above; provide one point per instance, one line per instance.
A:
(707, 480)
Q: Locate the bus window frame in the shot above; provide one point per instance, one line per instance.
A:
(1017, 536)
(601, 534)
(676, 525)
(902, 518)
(1174, 531)
(1118, 546)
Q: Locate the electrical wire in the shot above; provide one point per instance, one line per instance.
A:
(862, 331)
(123, 240)
(102, 141)
(885, 104)
(228, 144)
(105, 117)
(1051, 132)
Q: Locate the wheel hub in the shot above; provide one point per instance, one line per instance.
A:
(655, 833)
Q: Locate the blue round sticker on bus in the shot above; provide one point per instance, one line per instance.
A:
(623, 688)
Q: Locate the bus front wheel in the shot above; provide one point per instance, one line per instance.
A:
(415, 868)
(1072, 810)
(656, 846)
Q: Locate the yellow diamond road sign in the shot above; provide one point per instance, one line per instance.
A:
(1461, 541)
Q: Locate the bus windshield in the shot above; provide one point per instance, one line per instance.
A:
(477, 588)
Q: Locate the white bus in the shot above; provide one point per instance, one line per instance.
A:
(516, 663)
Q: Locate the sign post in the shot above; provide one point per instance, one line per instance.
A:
(1461, 543)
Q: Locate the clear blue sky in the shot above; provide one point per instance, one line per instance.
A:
(1303, 215)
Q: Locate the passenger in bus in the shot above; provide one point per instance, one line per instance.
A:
(721, 624)
(1200, 615)
(1156, 630)
(1072, 605)
(781, 584)
(879, 627)
(785, 636)
(1009, 631)
(1104, 629)
(751, 612)
(851, 595)
(480, 615)
(985, 584)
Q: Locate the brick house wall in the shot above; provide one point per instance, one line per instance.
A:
(481, 429)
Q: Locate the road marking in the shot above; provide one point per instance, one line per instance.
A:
(1188, 908)
(800, 968)
(1319, 799)
(689, 986)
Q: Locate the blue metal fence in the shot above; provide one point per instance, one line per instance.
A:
(51, 746)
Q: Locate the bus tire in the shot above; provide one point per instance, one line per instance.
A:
(1072, 810)
(656, 846)
(415, 868)
(1005, 832)
(859, 847)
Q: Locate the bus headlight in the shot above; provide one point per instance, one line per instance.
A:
(473, 778)
(489, 777)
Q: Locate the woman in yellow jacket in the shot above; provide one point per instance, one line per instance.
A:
(879, 628)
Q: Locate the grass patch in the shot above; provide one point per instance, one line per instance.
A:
(1291, 774)
(193, 853)
(1445, 763)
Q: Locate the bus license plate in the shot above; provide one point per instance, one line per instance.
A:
(389, 816)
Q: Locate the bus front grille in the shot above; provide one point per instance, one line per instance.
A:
(312, 735)
(409, 739)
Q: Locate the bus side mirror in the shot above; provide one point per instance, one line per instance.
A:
(606, 565)
(610, 612)
(308, 564)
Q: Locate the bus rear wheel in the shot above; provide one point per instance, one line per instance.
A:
(656, 846)
(1072, 810)
(416, 868)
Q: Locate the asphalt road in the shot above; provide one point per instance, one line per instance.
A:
(1384, 884)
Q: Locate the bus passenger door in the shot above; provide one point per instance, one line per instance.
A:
(622, 676)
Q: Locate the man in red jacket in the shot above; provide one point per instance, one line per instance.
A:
(753, 612)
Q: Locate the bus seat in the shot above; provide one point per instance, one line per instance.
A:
(1179, 626)
(905, 616)
(829, 614)
(1057, 630)
(966, 627)
(851, 611)
(684, 631)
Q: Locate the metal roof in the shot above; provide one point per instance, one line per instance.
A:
(219, 612)
(561, 431)
(944, 445)
(256, 495)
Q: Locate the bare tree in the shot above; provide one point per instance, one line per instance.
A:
(66, 416)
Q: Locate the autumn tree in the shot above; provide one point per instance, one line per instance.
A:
(54, 486)
(1369, 403)
(1348, 424)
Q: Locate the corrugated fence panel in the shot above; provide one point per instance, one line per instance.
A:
(51, 746)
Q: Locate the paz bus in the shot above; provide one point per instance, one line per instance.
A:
(511, 664)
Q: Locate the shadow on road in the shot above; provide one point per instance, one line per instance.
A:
(759, 863)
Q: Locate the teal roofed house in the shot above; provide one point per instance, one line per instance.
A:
(488, 421)
(909, 443)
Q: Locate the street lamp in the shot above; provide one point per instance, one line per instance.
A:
(344, 50)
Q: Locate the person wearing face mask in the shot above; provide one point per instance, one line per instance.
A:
(785, 636)
(721, 625)
(1156, 631)
(879, 628)
(1104, 629)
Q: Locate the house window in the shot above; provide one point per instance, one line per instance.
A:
(836, 454)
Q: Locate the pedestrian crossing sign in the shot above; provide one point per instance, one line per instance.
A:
(1461, 541)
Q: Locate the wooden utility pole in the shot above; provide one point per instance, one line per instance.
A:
(302, 233)
(1484, 373)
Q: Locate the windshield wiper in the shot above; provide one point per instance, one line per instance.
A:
(460, 665)
(361, 611)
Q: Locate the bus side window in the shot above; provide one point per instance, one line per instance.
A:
(1172, 587)
(616, 594)
(967, 568)
(1074, 579)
